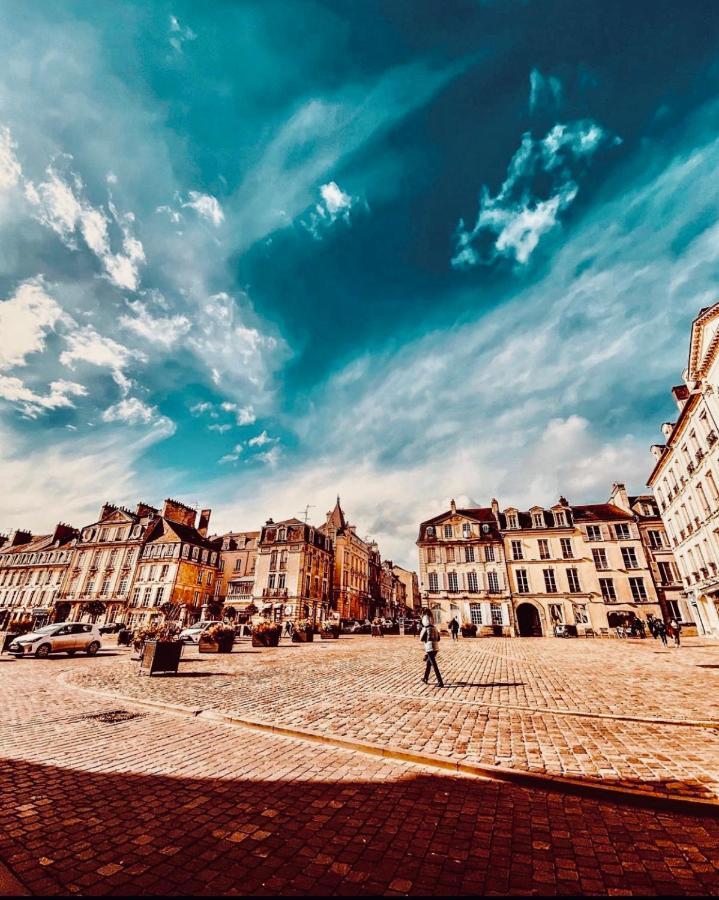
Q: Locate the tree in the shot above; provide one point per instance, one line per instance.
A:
(93, 608)
(167, 609)
(62, 611)
(214, 609)
(230, 613)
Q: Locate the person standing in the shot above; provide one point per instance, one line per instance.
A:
(454, 628)
(429, 636)
(676, 630)
(662, 631)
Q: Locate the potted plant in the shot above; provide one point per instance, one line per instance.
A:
(266, 634)
(329, 630)
(303, 633)
(469, 630)
(161, 650)
(217, 639)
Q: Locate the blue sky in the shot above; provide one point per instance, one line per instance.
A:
(257, 254)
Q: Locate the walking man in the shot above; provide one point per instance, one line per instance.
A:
(676, 630)
(454, 628)
(429, 635)
(662, 631)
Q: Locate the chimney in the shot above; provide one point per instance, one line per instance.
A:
(495, 509)
(619, 496)
(63, 533)
(680, 393)
(144, 510)
(658, 450)
(106, 510)
(178, 512)
(20, 537)
(204, 522)
(452, 506)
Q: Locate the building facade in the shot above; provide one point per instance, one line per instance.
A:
(32, 571)
(462, 569)
(412, 596)
(293, 572)
(685, 478)
(238, 558)
(351, 575)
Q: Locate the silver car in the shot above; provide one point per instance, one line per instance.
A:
(193, 633)
(63, 637)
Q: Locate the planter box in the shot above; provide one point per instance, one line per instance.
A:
(329, 635)
(266, 640)
(468, 634)
(302, 637)
(160, 656)
(205, 645)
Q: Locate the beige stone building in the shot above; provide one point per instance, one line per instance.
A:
(412, 596)
(293, 572)
(238, 558)
(685, 478)
(462, 569)
(351, 577)
(104, 562)
(177, 565)
(32, 571)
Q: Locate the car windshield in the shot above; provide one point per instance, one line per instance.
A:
(48, 629)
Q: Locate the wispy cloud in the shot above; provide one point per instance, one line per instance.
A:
(164, 330)
(25, 320)
(86, 345)
(334, 205)
(15, 391)
(179, 34)
(545, 91)
(206, 206)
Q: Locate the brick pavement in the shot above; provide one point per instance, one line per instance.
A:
(543, 706)
(93, 802)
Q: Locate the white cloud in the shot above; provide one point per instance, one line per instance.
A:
(270, 457)
(233, 456)
(260, 440)
(86, 345)
(334, 205)
(10, 169)
(519, 216)
(15, 391)
(132, 411)
(220, 429)
(25, 319)
(163, 330)
(206, 206)
(179, 34)
(545, 91)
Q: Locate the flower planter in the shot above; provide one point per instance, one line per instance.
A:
(302, 637)
(469, 634)
(207, 645)
(160, 656)
(269, 639)
(329, 635)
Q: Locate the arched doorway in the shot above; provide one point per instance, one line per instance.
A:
(620, 618)
(528, 621)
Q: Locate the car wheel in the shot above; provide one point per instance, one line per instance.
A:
(93, 648)
(71, 652)
(43, 651)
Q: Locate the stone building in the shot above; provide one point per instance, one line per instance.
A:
(32, 572)
(412, 596)
(685, 478)
(462, 569)
(238, 558)
(104, 562)
(293, 572)
(177, 565)
(350, 582)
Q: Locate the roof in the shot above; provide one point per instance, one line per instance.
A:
(481, 514)
(676, 431)
(185, 533)
(336, 518)
(37, 543)
(600, 512)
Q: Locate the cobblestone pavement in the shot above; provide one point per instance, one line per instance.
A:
(547, 706)
(98, 799)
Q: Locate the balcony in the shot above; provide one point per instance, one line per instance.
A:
(699, 455)
(690, 467)
(711, 438)
(279, 593)
(705, 572)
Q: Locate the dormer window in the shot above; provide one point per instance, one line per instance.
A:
(430, 531)
(560, 518)
(282, 534)
(537, 520)
(448, 531)
(466, 530)
(512, 521)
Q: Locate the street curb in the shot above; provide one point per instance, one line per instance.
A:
(557, 783)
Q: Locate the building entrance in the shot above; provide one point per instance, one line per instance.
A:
(528, 621)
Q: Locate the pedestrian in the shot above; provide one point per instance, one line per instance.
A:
(454, 629)
(288, 629)
(652, 625)
(429, 635)
(662, 631)
(676, 630)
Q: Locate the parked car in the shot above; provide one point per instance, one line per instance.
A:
(62, 637)
(111, 627)
(192, 634)
(355, 627)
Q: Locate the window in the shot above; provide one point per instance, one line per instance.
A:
(573, 581)
(543, 549)
(607, 587)
(522, 581)
(271, 581)
(666, 573)
(580, 614)
(556, 613)
(475, 613)
(450, 554)
(472, 582)
(433, 583)
(159, 594)
(281, 580)
(493, 582)
(655, 540)
(448, 531)
(639, 592)
(600, 558)
(146, 596)
(567, 552)
(466, 530)
(512, 521)
(550, 582)
(517, 550)
(469, 554)
(629, 555)
(453, 582)
(537, 520)
(622, 531)
(560, 518)
(136, 596)
(273, 560)
(496, 612)
(431, 554)
(238, 565)
(122, 587)
(489, 554)
(199, 576)
(594, 532)
(674, 611)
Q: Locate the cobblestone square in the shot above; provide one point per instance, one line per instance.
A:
(329, 768)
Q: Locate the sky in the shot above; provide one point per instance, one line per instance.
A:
(254, 255)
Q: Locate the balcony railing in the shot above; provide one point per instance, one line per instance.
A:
(274, 592)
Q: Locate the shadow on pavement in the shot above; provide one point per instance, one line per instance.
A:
(74, 831)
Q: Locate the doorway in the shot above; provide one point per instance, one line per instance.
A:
(528, 621)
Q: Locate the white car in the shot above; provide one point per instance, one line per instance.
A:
(63, 637)
(192, 634)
